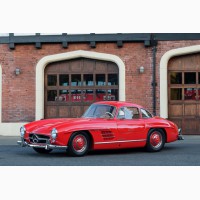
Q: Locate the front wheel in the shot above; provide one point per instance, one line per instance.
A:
(156, 140)
(78, 144)
(42, 150)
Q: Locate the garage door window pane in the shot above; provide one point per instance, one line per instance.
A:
(112, 95)
(176, 94)
(190, 94)
(64, 80)
(100, 95)
(88, 95)
(52, 80)
(64, 95)
(51, 95)
(76, 80)
(100, 79)
(88, 79)
(176, 78)
(112, 79)
(190, 77)
(76, 95)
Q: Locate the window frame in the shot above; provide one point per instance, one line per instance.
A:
(147, 113)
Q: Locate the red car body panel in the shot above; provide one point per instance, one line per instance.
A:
(105, 133)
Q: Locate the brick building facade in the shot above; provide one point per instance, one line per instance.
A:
(24, 96)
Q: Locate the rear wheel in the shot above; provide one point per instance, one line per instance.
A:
(42, 150)
(156, 140)
(78, 144)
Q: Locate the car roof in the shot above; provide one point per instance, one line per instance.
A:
(118, 103)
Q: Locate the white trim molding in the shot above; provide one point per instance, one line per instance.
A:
(39, 114)
(163, 74)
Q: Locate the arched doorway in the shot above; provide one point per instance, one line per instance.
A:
(71, 86)
(184, 92)
(182, 62)
(40, 75)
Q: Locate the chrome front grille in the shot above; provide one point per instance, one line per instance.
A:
(37, 138)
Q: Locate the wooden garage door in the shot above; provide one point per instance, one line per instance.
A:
(184, 92)
(71, 86)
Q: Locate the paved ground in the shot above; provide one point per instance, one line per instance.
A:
(179, 153)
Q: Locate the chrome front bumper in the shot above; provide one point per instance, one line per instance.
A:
(22, 143)
(180, 136)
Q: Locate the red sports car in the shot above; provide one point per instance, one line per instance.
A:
(105, 125)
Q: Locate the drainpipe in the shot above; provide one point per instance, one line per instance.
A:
(154, 84)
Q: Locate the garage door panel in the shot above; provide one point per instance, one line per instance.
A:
(51, 111)
(88, 66)
(85, 108)
(53, 69)
(75, 66)
(76, 111)
(176, 110)
(189, 124)
(112, 68)
(64, 68)
(198, 111)
(64, 111)
(190, 110)
(101, 67)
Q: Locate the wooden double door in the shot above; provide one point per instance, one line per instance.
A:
(184, 92)
(72, 86)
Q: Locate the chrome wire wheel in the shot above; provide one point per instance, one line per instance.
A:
(156, 139)
(79, 143)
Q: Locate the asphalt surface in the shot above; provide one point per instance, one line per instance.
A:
(179, 153)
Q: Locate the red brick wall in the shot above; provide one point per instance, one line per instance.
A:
(18, 95)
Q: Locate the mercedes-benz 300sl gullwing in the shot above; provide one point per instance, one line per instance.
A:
(104, 125)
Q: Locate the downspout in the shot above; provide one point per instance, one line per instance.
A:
(154, 84)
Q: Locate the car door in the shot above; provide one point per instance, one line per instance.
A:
(104, 127)
(131, 127)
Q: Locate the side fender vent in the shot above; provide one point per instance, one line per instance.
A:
(107, 135)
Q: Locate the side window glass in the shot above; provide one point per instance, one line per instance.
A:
(136, 114)
(121, 114)
(128, 113)
(146, 114)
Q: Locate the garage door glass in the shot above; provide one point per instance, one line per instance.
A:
(184, 85)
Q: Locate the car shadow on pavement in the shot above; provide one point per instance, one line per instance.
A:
(57, 153)
(61, 153)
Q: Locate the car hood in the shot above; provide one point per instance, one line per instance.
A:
(46, 126)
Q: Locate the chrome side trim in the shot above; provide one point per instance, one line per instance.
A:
(120, 141)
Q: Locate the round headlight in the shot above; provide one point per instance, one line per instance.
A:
(54, 133)
(22, 131)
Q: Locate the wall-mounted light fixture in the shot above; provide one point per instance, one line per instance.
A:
(141, 70)
(17, 71)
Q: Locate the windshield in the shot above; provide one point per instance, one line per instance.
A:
(99, 111)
